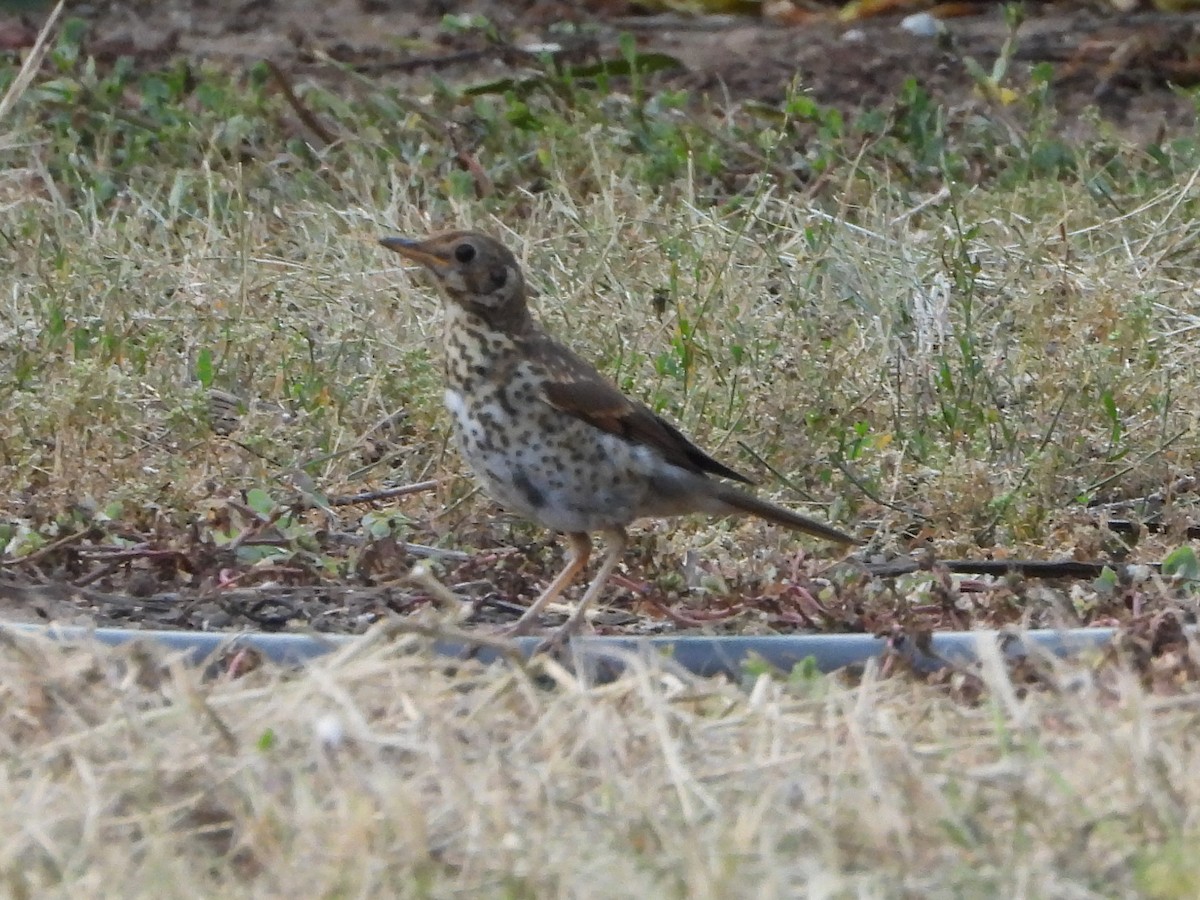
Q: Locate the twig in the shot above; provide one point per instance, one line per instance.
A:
(411, 63)
(306, 116)
(1104, 482)
(37, 555)
(96, 574)
(690, 620)
(1126, 526)
(483, 182)
(259, 524)
(129, 553)
(428, 552)
(758, 458)
(1033, 568)
(465, 158)
(871, 495)
(943, 193)
(675, 22)
(785, 175)
(505, 52)
(65, 591)
(344, 538)
(113, 560)
(385, 494)
(33, 62)
(1185, 484)
(253, 452)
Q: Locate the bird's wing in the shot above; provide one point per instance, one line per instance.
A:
(576, 388)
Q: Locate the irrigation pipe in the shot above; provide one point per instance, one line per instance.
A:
(604, 655)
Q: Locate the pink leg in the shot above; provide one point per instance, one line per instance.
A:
(580, 549)
(617, 540)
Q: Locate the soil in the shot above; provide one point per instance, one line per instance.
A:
(1123, 66)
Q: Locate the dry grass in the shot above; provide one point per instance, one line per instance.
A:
(969, 366)
(311, 324)
(978, 388)
(379, 772)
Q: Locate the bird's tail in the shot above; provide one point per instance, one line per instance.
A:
(738, 501)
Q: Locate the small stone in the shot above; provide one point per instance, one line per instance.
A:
(922, 24)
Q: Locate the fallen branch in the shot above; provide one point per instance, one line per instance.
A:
(384, 494)
(1032, 568)
(306, 115)
(42, 553)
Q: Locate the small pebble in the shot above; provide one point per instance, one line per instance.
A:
(922, 24)
(329, 731)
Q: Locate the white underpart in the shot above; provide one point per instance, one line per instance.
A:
(454, 402)
(568, 506)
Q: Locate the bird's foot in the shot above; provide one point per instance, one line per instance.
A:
(575, 624)
(519, 628)
(561, 636)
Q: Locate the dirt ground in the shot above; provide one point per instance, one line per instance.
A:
(1123, 64)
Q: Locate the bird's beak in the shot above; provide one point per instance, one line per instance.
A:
(416, 251)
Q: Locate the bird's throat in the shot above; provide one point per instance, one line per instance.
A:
(476, 353)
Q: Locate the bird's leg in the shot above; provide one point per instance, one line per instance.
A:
(580, 549)
(617, 540)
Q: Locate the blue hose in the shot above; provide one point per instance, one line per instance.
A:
(605, 656)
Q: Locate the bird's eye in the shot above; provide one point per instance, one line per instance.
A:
(464, 253)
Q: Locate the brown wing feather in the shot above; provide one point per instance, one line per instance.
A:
(577, 388)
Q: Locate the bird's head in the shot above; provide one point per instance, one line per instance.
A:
(473, 271)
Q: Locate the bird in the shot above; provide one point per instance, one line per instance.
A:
(553, 440)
